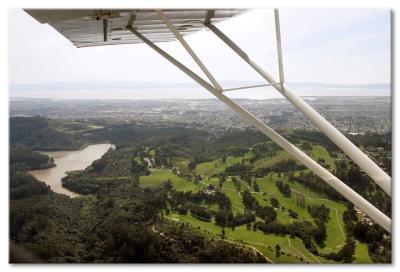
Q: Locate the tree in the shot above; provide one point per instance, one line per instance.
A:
(274, 202)
(292, 214)
(222, 179)
(167, 184)
(98, 165)
(320, 232)
(300, 200)
(306, 146)
(256, 187)
(237, 183)
(266, 213)
(223, 159)
(136, 181)
(278, 250)
(320, 212)
(283, 188)
(249, 201)
(192, 165)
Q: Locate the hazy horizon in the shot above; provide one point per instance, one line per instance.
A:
(194, 93)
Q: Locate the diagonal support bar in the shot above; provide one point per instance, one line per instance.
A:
(362, 160)
(279, 45)
(250, 87)
(189, 49)
(317, 169)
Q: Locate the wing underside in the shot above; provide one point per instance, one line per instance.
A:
(90, 27)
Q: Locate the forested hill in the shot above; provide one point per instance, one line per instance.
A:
(118, 224)
(41, 133)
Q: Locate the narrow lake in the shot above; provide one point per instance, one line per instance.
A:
(68, 161)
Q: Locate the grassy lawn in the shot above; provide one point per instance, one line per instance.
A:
(228, 184)
(292, 248)
(216, 166)
(269, 161)
(282, 216)
(157, 177)
(334, 227)
(361, 254)
(264, 242)
(237, 204)
(320, 152)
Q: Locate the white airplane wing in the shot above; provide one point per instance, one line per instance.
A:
(91, 27)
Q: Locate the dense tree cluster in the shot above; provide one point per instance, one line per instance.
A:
(249, 201)
(363, 184)
(283, 188)
(225, 218)
(237, 169)
(345, 254)
(314, 183)
(236, 151)
(218, 198)
(371, 140)
(98, 165)
(320, 212)
(115, 165)
(200, 212)
(274, 202)
(268, 214)
(302, 229)
(39, 133)
(321, 217)
(283, 166)
(23, 185)
(24, 158)
(293, 214)
(287, 166)
(244, 219)
(139, 167)
(263, 150)
(316, 137)
(56, 228)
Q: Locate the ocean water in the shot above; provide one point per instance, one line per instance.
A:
(194, 93)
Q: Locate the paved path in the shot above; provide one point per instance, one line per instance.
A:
(160, 233)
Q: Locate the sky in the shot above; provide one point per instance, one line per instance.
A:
(345, 46)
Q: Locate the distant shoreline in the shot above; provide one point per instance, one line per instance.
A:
(194, 99)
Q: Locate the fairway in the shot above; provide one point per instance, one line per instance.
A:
(264, 242)
(292, 248)
(157, 177)
(361, 255)
(216, 166)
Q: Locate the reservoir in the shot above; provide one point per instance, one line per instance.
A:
(69, 161)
